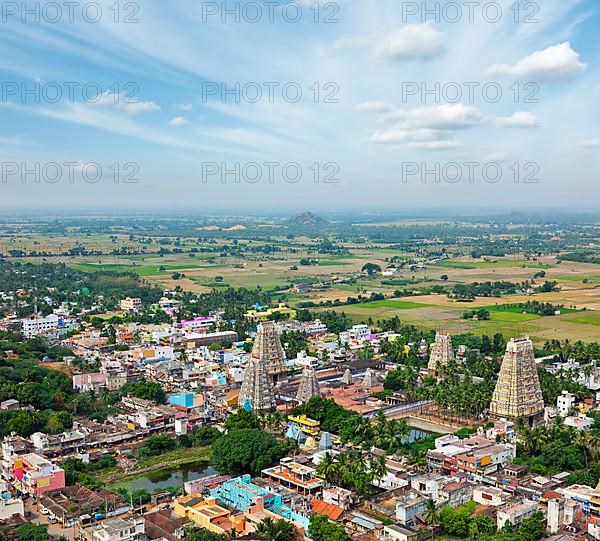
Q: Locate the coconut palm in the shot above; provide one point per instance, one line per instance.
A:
(329, 469)
(276, 530)
(431, 515)
(378, 468)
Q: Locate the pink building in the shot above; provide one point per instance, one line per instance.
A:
(36, 474)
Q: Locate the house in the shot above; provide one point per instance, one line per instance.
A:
(131, 305)
(118, 529)
(408, 506)
(206, 513)
(299, 477)
(565, 403)
(38, 326)
(489, 496)
(9, 505)
(36, 475)
(394, 532)
(515, 514)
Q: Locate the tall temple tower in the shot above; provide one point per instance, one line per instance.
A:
(518, 393)
(441, 352)
(257, 387)
(309, 385)
(267, 347)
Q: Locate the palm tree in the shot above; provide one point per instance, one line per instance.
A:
(378, 468)
(276, 530)
(582, 440)
(380, 420)
(329, 469)
(363, 429)
(594, 444)
(432, 516)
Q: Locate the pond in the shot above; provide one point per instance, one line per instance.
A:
(165, 478)
(416, 434)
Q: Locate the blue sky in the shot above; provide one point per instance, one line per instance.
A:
(152, 102)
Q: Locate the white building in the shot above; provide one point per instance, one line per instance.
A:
(315, 327)
(515, 514)
(9, 506)
(119, 529)
(565, 403)
(580, 422)
(408, 506)
(131, 305)
(40, 326)
(359, 332)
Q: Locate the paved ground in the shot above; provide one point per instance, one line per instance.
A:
(53, 529)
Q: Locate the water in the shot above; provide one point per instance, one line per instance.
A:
(163, 479)
(416, 434)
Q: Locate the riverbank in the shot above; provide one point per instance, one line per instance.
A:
(165, 462)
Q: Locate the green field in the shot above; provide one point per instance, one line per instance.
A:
(392, 303)
(578, 278)
(515, 309)
(492, 264)
(593, 319)
(141, 270)
(512, 317)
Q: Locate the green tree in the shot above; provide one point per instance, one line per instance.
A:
(33, 532)
(242, 418)
(245, 450)
(277, 530)
(322, 529)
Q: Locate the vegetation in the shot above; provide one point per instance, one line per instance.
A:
(245, 450)
(322, 529)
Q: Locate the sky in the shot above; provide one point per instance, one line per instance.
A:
(161, 104)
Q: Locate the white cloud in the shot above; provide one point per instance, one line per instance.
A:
(351, 42)
(435, 145)
(414, 41)
(445, 117)
(553, 63)
(179, 121)
(520, 119)
(184, 106)
(375, 107)
(496, 157)
(590, 143)
(131, 106)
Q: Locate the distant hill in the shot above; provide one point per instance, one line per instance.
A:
(307, 219)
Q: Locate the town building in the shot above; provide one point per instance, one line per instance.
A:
(206, 513)
(131, 305)
(40, 326)
(33, 474)
(515, 514)
(118, 529)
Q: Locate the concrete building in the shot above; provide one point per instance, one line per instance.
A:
(565, 403)
(408, 506)
(9, 505)
(206, 513)
(515, 514)
(518, 393)
(36, 475)
(119, 529)
(131, 305)
(40, 326)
